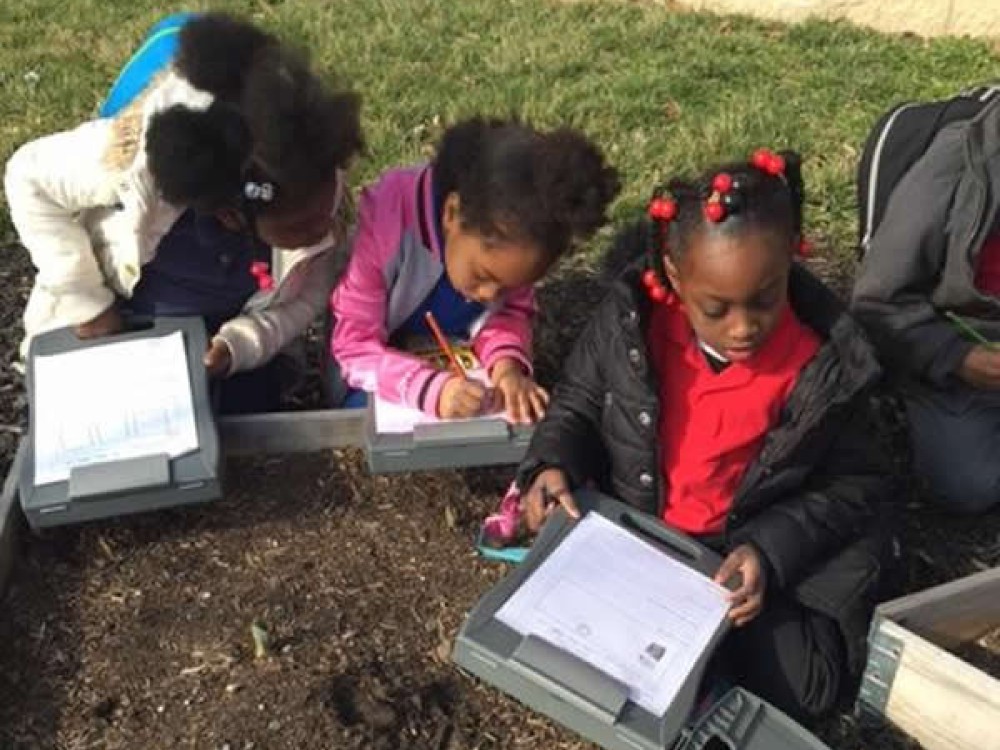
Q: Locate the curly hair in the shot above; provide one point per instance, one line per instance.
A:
(215, 51)
(516, 183)
(272, 120)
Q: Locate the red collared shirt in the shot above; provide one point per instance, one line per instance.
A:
(988, 266)
(712, 424)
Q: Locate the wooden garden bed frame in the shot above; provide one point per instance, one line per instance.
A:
(911, 680)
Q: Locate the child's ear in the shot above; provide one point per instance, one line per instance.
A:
(671, 270)
(451, 213)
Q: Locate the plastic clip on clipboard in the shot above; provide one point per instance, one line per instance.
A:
(131, 485)
(590, 702)
(444, 445)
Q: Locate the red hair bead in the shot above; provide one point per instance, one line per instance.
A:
(715, 212)
(662, 209)
(722, 182)
(768, 161)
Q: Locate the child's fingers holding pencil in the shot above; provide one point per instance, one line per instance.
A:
(461, 398)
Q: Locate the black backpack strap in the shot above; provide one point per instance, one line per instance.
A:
(899, 139)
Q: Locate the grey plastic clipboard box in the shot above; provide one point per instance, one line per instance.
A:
(593, 704)
(444, 445)
(116, 488)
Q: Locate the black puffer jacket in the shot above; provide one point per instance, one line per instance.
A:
(810, 502)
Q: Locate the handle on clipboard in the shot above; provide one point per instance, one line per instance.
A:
(663, 535)
(570, 679)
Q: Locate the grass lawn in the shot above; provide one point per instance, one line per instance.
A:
(663, 92)
(170, 595)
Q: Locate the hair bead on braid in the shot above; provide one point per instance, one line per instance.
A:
(765, 188)
(662, 211)
(766, 160)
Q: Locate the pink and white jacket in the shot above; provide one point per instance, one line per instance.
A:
(395, 262)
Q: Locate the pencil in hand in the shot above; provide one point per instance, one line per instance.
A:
(488, 397)
(445, 347)
(970, 332)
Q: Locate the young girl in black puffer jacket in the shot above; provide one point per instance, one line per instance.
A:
(723, 388)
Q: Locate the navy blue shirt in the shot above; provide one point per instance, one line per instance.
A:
(453, 312)
(200, 268)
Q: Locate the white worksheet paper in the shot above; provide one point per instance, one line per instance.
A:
(625, 607)
(393, 418)
(111, 402)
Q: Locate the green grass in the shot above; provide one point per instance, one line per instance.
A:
(663, 92)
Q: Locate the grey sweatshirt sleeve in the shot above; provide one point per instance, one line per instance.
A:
(892, 295)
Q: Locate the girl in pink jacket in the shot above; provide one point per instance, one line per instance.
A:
(463, 237)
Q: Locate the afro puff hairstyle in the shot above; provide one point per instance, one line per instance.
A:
(272, 120)
(548, 189)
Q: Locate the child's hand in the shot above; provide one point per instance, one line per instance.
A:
(107, 323)
(462, 398)
(747, 600)
(218, 358)
(549, 491)
(523, 399)
(981, 368)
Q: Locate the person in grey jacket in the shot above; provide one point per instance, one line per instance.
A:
(929, 294)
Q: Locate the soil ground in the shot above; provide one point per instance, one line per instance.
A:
(137, 633)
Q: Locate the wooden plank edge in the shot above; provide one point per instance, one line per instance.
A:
(11, 520)
(292, 431)
(941, 701)
(955, 612)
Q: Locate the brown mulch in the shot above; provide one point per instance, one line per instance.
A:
(137, 633)
(983, 653)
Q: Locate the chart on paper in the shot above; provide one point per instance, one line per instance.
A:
(111, 402)
(622, 605)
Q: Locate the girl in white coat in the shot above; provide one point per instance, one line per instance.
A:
(219, 192)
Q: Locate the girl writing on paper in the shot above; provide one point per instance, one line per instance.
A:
(464, 237)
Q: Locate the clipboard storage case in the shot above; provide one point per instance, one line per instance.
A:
(444, 445)
(595, 705)
(116, 488)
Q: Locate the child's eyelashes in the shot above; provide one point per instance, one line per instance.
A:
(762, 303)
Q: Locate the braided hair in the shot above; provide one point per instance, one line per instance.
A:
(766, 194)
